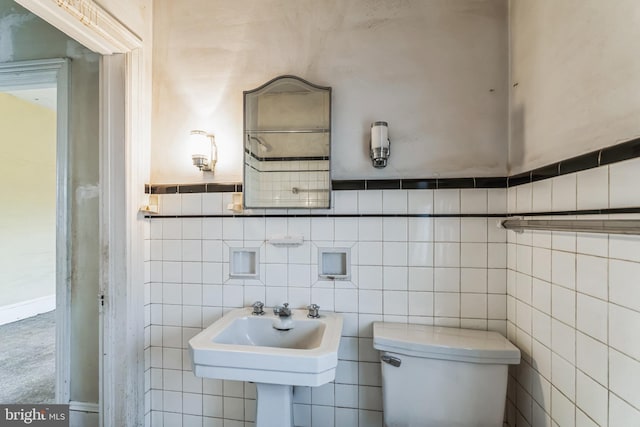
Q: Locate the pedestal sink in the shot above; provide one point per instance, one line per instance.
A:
(242, 346)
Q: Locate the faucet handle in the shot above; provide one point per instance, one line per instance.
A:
(258, 308)
(313, 311)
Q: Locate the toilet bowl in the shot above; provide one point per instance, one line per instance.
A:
(442, 377)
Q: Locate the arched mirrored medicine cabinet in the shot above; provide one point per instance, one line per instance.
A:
(287, 145)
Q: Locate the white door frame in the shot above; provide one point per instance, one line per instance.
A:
(123, 163)
(49, 73)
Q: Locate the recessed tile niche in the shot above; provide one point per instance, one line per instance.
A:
(244, 263)
(334, 263)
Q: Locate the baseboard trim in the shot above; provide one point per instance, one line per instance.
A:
(22, 310)
(83, 417)
(83, 406)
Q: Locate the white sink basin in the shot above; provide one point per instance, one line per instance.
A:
(245, 347)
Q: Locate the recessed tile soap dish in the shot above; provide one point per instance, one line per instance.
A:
(334, 263)
(244, 263)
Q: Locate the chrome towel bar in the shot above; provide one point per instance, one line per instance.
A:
(607, 226)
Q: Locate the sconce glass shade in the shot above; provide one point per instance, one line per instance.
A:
(380, 144)
(204, 151)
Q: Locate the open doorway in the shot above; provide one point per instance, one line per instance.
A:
(28, 244)
(34, 249)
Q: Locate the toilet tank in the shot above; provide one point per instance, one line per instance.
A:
(442, 377)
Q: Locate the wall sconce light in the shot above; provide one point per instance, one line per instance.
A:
(380, 144)
(204, 150)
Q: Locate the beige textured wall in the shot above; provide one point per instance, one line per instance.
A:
(28, 216)
(575, 69)
(137, 16)
(436, 70)
(134, 14)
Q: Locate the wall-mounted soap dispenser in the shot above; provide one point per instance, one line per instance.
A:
(334, 263)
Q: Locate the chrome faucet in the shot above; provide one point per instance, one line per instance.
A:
(282, 310)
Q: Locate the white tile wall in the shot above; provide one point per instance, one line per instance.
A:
(578, 324)
(447, 271)
(572, 300)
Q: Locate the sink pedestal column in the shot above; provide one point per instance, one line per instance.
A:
(275, 405)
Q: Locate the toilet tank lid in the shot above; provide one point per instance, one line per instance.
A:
(438, 342)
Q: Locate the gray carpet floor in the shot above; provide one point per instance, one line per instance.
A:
(27, 360)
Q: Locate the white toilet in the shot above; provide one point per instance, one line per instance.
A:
(443, 377)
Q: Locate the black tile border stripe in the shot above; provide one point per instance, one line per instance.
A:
(606, 156)
(580, 163)
(609, 211)
(619, 152)
(295, 215)
(383, 184)
(340, 185)
(521, 178)
(419, 184)
(349, 185)
(497, 182)
(452, 183)
(196, 188)
(193, 188)
(223, 188)
(545, 172)
(616, 153)
(163, 189)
